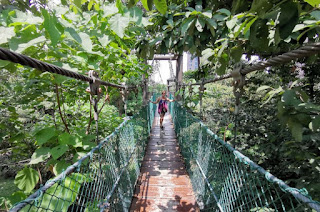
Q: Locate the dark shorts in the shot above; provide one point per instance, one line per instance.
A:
(162, 113)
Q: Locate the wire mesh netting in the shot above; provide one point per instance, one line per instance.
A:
(225, 180)
(104, 179)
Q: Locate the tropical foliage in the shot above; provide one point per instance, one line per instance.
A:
(46, 118)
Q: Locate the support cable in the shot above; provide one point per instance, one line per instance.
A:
(304, 51)
(46, 67)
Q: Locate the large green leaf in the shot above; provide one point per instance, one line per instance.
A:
(223, 63)
(296, 129)
(206, 54)
(85, 41)
(186, 24)
(68, 191)
(24, 46)
(118, 24)
(105, 40)
(288, 19)
(66, 138)
(26, 179)
(50, 26)
(316, 14)
(136, 15)
(17, 197)
(58, 151)
(120, 6)
(25, 18)
(40, 155)
(45, 135)
(289, 98)
(200, 24)
(261, 6)
(315, 124)
(236, 53)
(77, 3)
(314, 3)
(145, 4)
(109, 9)
(59, 167)
(72, 33)
(6, 33)
(161, 5)
(259, 35)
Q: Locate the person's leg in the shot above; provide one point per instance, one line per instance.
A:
(161, 119)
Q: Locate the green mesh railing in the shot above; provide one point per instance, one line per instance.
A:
(104, 179)
(225, 180)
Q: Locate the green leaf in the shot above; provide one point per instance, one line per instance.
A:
(288, 18)
(314, 3)
(77, 3)
(261, 6)
(206, 54)
(40, 155)
(118, 24)
(58, 151)
(26, 179)
(136, 15)
(109, 10)
(224, 11)
(232, 23)
(236, 53)
(315, 124)
(262, 88)
(207, 14)
(86, 42)
(119, 5)
(316, 14)
(186, 24)
(24, 46)
(87, 145)
(161, 5)
(50, 26)
(68, 192)
(6, 33)
(4, 63)
(200, 24)
(45, 135)
(259, 35)
(72, 33)
(296, 129)
(248, 26)
(222, 48)
(145, 4)
(289, 98)
(150, 4)
(212, 23)
(223, 66)
(105, 40)
(59, 167)
(66, 138)
(16, 197)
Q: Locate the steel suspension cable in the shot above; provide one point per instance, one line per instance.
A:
(304, 51)
(14, 57)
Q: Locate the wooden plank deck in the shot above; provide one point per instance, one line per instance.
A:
(163, 184)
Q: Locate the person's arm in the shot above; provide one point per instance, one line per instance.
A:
(156, 102)
(171, 100)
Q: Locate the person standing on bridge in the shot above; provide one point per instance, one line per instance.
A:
(163, 106)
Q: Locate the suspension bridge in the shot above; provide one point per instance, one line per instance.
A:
(186, 167)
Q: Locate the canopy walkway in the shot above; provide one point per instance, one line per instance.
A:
(120, 175)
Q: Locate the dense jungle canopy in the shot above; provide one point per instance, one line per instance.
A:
(46, 120)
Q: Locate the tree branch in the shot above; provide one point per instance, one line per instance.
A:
(58, 101)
